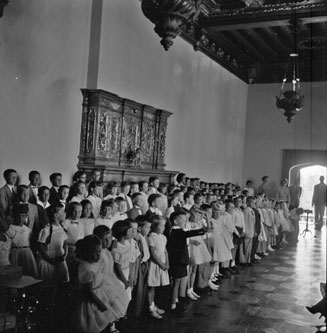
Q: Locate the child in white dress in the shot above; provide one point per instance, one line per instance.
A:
(75, 231)
(80, 192)
(94, 310)
(222, 245)
(159, 265)
(122, 252)
(135, 255)
(286, 226)
(119, 298)
(106, 214)
(120, 213)
(199, 253)
(52, 264)
(20, 253)
(87, 217)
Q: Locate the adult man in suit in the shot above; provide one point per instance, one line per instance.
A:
(55, 179)
(137, 199)
(319, 201)
(8, 193)
(264, 186)
(35, 181)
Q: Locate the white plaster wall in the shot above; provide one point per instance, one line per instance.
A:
(268, 132)
(43, 64)
(206, 131)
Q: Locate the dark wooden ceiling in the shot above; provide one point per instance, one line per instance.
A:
(253, 38)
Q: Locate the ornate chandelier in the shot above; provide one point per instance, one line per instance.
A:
(168, 17)
(3, 3)
(291, 101)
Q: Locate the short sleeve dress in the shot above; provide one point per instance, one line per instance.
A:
(88, 317)
(20, 253)
(88, 225)
(107, 288)
(75, 231)
(121, 254)
(222, 247)
(285, 222)
(103, 221)
(158, 277)
(48, 272)
(199, 254)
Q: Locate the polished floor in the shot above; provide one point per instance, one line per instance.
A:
(267, 298)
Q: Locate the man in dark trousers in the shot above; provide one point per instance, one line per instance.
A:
(319, 201)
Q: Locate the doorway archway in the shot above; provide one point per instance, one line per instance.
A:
(309, 176)
(296, 159)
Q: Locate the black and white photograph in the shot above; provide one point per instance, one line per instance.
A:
(163, 166)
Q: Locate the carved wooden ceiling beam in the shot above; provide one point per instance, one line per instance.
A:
(203, 42)
(287, 34)
(267, 47)
(3, 3)
(274, 38)
(232, 47)
(258, 17)
(249, 46)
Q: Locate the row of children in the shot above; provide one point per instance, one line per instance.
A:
(206, 238)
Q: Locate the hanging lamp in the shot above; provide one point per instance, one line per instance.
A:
(291, 101)
(169, 16)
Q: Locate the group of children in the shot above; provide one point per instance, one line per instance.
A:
(118, 244)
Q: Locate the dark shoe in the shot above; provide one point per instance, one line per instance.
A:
(217, 282)
(310, 309)
(249, 265)
(233, 270)
(225, 271)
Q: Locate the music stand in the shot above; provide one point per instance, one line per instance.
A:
(304, 232)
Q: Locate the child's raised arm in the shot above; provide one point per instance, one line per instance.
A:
(194, 232)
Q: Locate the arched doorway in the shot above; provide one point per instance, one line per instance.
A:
(309, 176)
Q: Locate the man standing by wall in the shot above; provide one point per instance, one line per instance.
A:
(295, 193)
(319, 200)
(264, 186)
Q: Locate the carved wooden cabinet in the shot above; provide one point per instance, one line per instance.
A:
(120, 135)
